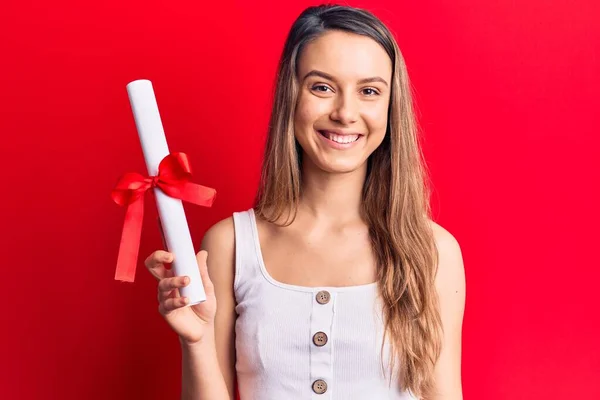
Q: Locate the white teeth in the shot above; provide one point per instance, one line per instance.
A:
(341, 138)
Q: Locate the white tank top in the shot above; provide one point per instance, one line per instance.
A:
(296, 342)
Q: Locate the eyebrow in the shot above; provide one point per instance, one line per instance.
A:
(324, 75)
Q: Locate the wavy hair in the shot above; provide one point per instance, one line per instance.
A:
(395, 196)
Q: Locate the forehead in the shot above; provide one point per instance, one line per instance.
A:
(345, 56)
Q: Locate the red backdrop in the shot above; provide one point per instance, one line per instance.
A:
(506, 95)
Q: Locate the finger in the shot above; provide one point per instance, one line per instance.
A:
(171, 304)
(202, 257)
(167, 286)
(156, 264)
(172, 294)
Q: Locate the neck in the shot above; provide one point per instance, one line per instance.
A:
(331, 197)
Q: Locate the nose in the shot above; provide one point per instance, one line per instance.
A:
(345, 110)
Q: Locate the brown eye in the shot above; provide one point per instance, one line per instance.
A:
(320, 88)
(370, 92)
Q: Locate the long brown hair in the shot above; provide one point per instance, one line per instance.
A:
(395, 194)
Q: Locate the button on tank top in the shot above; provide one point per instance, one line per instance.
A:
(296, 342)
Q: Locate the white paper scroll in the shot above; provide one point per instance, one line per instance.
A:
(172, 215)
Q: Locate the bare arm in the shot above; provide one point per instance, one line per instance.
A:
(201, 376)
(451, 288)
(208, 371)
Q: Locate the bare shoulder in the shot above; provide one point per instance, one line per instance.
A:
(444, 240)
(220, 236)
(450, 265)
(451, 289)
(450, 281)
(219, 243)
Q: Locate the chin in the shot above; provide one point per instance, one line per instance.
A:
(340, 167)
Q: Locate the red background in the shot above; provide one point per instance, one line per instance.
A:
(506, 93)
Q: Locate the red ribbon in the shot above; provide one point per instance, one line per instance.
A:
(173, 177)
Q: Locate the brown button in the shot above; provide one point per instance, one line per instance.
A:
(323, 297)
(320, 339)
(319, 386)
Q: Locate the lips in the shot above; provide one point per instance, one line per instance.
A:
(339, 137)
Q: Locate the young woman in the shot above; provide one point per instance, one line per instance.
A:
(336, 284)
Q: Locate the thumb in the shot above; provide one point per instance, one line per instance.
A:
(202, 257)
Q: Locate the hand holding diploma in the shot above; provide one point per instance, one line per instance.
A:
(190, 323)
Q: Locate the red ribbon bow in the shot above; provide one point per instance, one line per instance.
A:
(173, 177)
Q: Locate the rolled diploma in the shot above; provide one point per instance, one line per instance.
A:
(170, 210)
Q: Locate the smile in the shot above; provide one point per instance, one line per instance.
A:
(338, 141)
(340, 138)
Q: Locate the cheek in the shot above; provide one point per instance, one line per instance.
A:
(376, 119)
(303, 120)
(308, 110)
(303, 114)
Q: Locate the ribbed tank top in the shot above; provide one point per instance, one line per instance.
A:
(296, 342)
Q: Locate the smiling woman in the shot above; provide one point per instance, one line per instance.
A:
(336, 284)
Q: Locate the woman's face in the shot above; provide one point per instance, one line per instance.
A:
(341, 113)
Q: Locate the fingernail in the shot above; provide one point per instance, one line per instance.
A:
(186, 280)
(185, 300)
